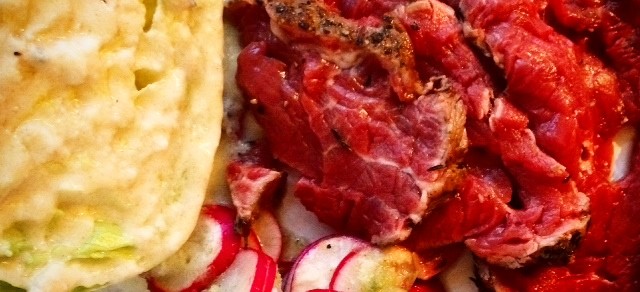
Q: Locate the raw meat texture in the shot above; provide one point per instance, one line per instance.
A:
(602, 262)
(561, 110)
(369, 163)
(476, 208)
(550, 141)
(503, 212)
(439, 42)
(539, 160)
(547, 215)
(250, 184)
(608, 259)
(344, 41)
(614, 26)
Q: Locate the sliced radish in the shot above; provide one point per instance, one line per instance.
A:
(212, 247)
(264, 234)
(251, 271)
(375, 269)
(316, 264)
(267, 229)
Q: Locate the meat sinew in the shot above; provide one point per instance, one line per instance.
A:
(370, 159)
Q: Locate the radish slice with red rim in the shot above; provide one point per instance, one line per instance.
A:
(316, 264)
(252, 270)
(212, 248)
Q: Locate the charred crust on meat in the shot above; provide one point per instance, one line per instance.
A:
(389, 42)
(376, 37)
(303, 25)
(388, 22)
(562, 252)
(575, 240)
(280, 8)
(439, 83)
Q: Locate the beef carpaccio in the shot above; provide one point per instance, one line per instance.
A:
(430, 124)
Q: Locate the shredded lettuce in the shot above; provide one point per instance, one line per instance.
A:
(16, 241)
(107, 241)
(86, 289)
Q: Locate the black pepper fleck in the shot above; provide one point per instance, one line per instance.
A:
(303, 25)
(377, 37)
(17, 54)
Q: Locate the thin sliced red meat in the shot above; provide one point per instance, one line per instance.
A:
(316, 27)
(608, 259)
(479, 206)
(265, 80)
(376, 160)
(622, 42)
(252, 178)
(438, 40)
(438, 43)
(534, 56)
(503, 212)
(547, 148)
(615, 27)
(249, 184)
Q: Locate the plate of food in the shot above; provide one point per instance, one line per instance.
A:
(319, 145)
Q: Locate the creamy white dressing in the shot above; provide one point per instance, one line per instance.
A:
(107, 136)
